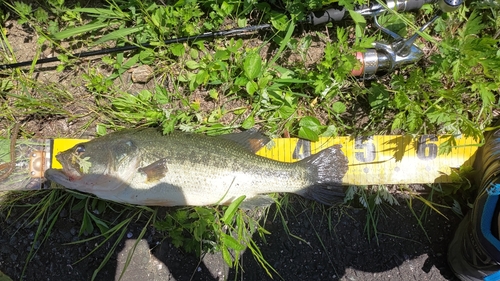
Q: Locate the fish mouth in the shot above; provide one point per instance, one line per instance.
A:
(56, 175)
(70, 170)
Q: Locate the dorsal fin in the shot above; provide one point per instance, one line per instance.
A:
(251, 139)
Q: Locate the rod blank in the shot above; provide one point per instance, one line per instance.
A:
(206, 35)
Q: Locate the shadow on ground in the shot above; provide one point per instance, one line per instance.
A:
(323, 246)
(400, 251)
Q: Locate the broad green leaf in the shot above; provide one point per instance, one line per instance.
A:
(252, 65)
(198, 231)
(263, 81)
(101, 130)
(360, 23)
(147, 56)
(240, 81)
(229, 241)
(178, 49)
(308, 134)
(357, 17)
(227, 256)
(235, 45)
(309, 121)
(251, 87)
(279, 21)
(330, 131)
(41, 15)
(213, 94)
(195, 105)
(227, 8)
(242, 22)
(191, 64)
(202, 76)
(338, 107)
(222, 55)
(485, 91)
(229, 214)
(248, 123)
(194, 53)
(63, 58)
(348, 4)
(286, 111)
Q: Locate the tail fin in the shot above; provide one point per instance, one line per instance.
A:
(327, 169)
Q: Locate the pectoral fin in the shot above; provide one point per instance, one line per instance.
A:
(155, 171)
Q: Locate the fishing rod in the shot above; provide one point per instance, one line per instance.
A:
(206, 35)
(381, 58)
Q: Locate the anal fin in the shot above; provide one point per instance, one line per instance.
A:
(256, 201)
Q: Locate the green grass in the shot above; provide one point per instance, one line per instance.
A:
(283, 81)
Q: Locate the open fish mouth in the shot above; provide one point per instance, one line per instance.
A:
(69, 170)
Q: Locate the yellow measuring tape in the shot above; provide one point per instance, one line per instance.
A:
(384, 159)
(372, 160)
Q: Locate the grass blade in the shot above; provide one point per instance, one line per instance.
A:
(80, 30)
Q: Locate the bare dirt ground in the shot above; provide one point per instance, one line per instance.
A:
(321, 247)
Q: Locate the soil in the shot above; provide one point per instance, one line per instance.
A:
(320, 245)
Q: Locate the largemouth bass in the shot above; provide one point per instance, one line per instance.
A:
(145, 167)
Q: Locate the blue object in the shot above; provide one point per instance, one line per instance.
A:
(493, 277)
(474, 253)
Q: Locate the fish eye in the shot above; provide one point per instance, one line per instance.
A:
(80, 149)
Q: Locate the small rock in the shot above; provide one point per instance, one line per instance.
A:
(63, 213)
(142, 74)
(5, 249)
